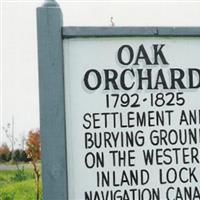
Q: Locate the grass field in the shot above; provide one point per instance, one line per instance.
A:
(17, 186)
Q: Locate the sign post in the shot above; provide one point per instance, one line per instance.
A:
(52, 106)
(120, 112)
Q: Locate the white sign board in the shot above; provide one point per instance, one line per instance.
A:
(132, 118)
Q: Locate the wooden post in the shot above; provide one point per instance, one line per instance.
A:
(52, 106)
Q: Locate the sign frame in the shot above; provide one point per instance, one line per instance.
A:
(51, 33)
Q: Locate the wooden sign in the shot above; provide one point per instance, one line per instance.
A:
(120, 111)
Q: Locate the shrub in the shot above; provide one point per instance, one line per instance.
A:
(6, 196)
(19, 175)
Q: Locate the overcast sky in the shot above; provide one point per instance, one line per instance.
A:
(19, 79)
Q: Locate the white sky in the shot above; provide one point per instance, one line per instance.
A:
(19, 80)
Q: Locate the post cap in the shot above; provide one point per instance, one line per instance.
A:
(50, 3)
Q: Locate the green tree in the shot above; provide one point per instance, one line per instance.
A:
(17, 155)
(24, 156)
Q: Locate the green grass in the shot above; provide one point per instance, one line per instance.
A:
(11, 189)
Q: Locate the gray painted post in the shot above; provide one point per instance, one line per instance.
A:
(52, 107)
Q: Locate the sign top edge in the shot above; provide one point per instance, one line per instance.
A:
(103, 31)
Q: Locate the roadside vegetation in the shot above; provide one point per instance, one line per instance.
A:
(15, 185)
(20, 170)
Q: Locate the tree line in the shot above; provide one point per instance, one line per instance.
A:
(22, 155)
